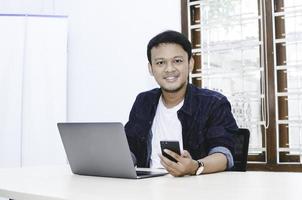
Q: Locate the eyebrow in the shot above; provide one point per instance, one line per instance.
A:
(178, 57)
(155, 59)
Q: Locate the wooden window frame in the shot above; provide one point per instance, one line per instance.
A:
(271, 163)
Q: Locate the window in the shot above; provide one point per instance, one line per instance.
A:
(249, 51)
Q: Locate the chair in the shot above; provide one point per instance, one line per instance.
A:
(241, 138)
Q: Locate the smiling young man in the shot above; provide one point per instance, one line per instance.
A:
(200, 119)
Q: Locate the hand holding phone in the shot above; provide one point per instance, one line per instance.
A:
(172, 146)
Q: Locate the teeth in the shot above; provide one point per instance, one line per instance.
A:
(170, 78)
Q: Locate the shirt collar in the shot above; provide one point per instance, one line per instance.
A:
(187, 106)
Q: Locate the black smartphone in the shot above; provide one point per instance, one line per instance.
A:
(172, 146)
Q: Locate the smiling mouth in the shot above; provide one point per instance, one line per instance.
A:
(171, 78)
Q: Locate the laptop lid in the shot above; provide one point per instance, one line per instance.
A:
(99, 149)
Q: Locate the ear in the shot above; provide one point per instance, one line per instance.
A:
(150, 69)
(191, 64)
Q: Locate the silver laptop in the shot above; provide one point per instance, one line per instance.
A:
(100, 149)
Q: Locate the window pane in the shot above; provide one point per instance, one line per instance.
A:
(228, 58)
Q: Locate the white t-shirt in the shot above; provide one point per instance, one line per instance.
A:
(166, 126)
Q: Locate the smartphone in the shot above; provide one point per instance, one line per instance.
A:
(172, 146)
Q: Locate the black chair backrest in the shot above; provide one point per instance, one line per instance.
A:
(241, 138)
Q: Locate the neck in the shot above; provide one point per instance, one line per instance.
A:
(171, 99)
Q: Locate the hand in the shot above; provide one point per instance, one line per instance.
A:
(185, 164)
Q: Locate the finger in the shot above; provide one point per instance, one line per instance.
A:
(186, 154)
(173, 154)
(170, 169)
(168, 164)
(167, 161)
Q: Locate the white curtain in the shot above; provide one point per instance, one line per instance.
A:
(33, 60)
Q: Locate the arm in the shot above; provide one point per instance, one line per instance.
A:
(215, 162)
(131, 134)
(219, 143)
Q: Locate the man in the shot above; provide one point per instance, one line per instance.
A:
(200, 119)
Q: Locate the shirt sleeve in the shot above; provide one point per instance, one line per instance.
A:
(131, 133)
(133, 158)
(226, 152)
(220, 125)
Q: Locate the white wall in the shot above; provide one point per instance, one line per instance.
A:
(28, 6)
(107, 63)
(107, 50)
(107, 54)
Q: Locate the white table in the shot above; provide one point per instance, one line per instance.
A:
(54, 183)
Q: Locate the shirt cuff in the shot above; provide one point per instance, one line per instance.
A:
(226, 152)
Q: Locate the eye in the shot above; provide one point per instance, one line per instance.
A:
(178, 61)
(160, 62)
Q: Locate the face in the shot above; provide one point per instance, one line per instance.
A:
(170, 66)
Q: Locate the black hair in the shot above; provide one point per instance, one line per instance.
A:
(170, 37)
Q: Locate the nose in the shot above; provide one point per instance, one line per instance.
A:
(169, 67)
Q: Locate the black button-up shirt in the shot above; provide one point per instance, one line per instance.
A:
(205, 117)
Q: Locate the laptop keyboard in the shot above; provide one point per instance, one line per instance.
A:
(142, 173)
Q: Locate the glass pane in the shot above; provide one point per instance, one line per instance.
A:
(230, 47)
